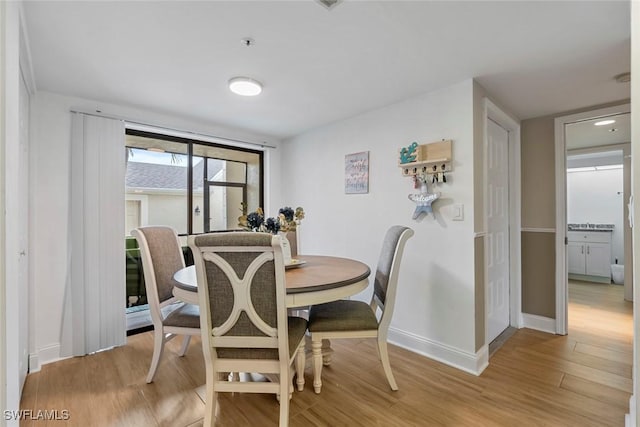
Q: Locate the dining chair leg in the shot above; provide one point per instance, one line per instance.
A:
(211, 405)
(316, 349)
(300, 362)
(290, 382)
(284, 403)
(185, 345)
(384, 358)
(158, 347)
(327, 352)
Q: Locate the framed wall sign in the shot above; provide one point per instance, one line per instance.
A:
(356, 173)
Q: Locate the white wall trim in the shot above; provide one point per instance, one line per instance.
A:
(562, 288)
(493, 112)
(34, 363)
(538, 230)
(539, 323)
(631, 416)
(47, 354)
(473, 363)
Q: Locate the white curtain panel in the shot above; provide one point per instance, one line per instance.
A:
(94, 317)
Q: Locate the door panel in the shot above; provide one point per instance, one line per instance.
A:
(576, 258)
(497, 230)
(23, 233)
(598, 259)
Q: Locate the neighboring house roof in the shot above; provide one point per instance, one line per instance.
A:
(165, 177)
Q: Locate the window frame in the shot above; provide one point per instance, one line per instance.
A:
(190, 142)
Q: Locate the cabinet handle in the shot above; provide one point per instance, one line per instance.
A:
(587, 250)
(582, 250)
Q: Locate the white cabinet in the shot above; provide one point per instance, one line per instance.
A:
(589, 254)
(577, 263)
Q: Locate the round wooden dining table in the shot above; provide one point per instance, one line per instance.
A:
(311, 279)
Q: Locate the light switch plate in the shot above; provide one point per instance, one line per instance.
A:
(457, 212)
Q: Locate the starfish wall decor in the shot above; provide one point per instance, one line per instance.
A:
(423, 200)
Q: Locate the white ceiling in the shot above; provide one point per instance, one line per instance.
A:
(585, 134)
(318, 65)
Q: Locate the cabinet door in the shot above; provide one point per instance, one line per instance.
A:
(576, 255)
(598, 259)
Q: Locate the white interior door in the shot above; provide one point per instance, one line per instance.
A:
(497, 229)
(23, 235)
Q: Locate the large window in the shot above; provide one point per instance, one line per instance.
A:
(190, 185)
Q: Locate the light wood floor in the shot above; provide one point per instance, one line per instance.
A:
(534, 379)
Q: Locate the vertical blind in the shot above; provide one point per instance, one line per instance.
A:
(94, 317)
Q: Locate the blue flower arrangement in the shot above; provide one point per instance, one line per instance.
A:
(287, 220)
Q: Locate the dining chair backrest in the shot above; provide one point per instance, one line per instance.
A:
(162, 256)
(243, 277)
(386, 278)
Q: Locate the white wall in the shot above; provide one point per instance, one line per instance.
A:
(435, 306)
(596, 197)
(51, 125)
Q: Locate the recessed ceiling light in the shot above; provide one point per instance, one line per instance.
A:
(245, 86)
(604, 122)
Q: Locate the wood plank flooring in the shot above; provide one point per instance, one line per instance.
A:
(534, 379)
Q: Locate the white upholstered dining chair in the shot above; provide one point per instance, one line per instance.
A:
(161, 255)
(243, 317)
(357, 319)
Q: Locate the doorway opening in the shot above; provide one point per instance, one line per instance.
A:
(594, 273)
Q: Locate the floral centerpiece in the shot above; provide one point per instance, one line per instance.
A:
(287, 220)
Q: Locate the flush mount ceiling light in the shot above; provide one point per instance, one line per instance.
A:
(245, 86)
(604, 122)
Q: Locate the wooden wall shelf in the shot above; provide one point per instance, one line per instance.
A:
(425, 159)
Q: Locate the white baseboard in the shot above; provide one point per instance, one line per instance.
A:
(51, 353)
(34, 363)
(539, 323)
(473, 363)
(47, 354)
(630, 418)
